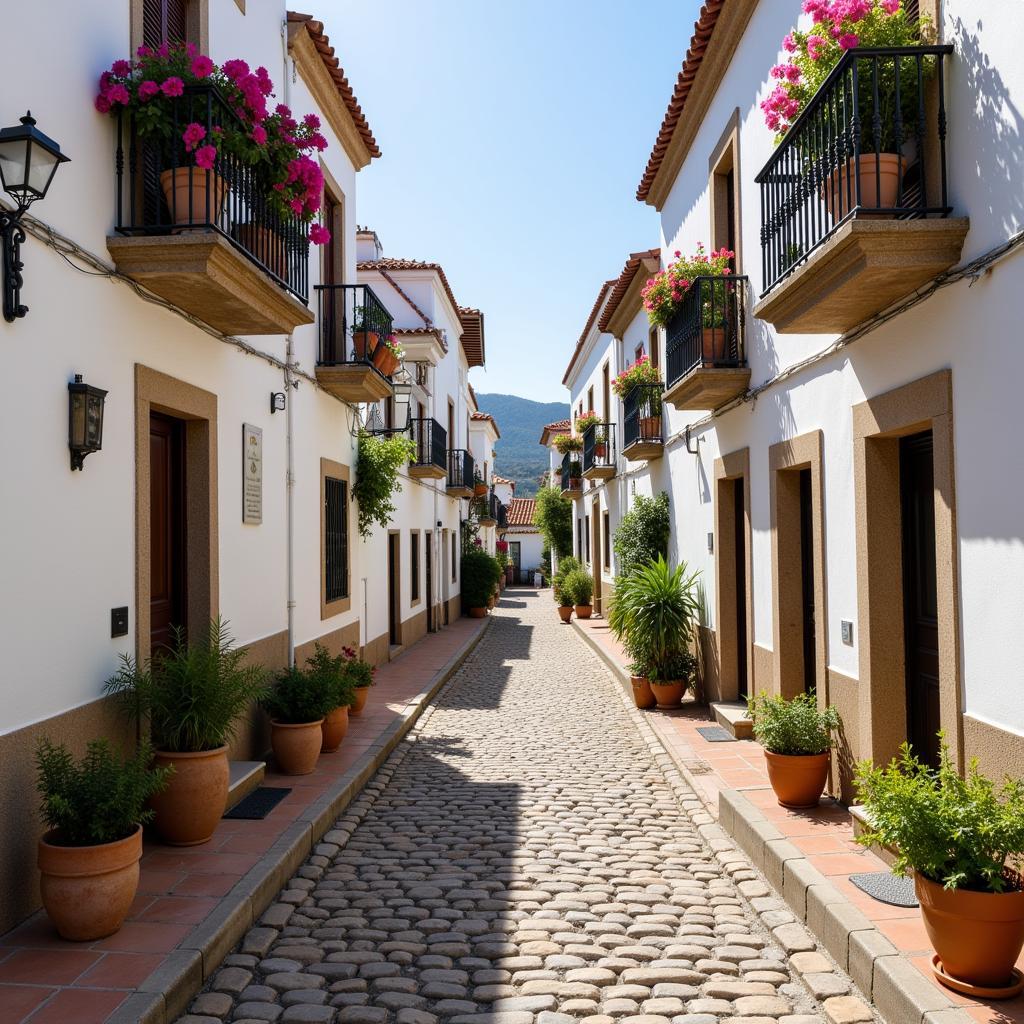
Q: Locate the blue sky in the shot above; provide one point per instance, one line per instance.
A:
(513, 139)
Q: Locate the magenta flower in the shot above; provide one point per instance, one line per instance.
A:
(102, 104)
(815, 44)
(319, 235)
(848, 41)
(193, 135)
(143, 51)
(121, 68)
(263, 78)
(205, 157)
(202, 66)
(890, 6)
(789, 43)
(311, 121)
(173, 86)
(148, 89)
(259, 135)
(235, 69)
(283, 110)
(118, 94)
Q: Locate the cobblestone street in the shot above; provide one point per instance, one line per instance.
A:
(529, 853)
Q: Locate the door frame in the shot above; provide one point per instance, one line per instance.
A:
(596, 552)
(158, 392)
(394, 584)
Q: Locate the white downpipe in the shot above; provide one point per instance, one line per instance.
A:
(289, 391)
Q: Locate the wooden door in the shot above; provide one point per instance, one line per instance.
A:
(595, 557)
(428, 551)
(920, 598)
(740, 570)
(168, 590)
(606, 395)
(807, 579)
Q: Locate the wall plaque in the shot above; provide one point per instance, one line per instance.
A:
(252, 474)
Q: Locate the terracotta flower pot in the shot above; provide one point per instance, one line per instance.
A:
(333, 729)
(362, 693)
(88, 890)
(188, 810)
(798, 779)
(584, 611)
(879, 184)
(600, 450)
(575, 483)
(643, 695)
(490, 602)
(364, 343)
(479, 490)
(668, 695)
(182, 184)
(713, 342)
(385, 360)
(977, 935)
(478, 613)
(266, 245)
(296, 746)
(565, 612)
(650, 427)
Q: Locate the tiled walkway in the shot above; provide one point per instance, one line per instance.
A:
(824, 835)
(45, 980)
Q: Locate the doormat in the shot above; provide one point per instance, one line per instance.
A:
(258, 804)
(887, 888)
(716, 734)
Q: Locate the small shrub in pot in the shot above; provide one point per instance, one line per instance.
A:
(578, 588)
(297, 704)
(334, 671)
(478, 579)
(563, 598)
(362, 676)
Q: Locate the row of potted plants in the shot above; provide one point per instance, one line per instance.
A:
(573, 589)
(189, 698)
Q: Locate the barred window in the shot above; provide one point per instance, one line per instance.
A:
(414, 564)
(335, 538)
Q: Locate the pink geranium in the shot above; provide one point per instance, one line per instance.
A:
(172, 87)
(206, 156)
(202, 66)
(193, 135)
(318, 234)
(148, 89)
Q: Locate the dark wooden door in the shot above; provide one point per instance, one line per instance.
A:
(807, 578)
(428, 546)
(167, 582)
(920, 600)
(740, 548)
(393, 588)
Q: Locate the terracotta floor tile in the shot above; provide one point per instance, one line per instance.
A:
(17, 1001)
(179, 909)
(79, 1006)
(906, 934)
(205, 885)
(823, 844)
(843, 863)
(47, 966)
(120, 970)
(157, 883)
(145, 937)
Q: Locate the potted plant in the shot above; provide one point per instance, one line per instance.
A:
(639, 681)
(362, 676)
(797, 736)
(192, 696)
(963, 839)
(563, 598)
(387, 355)
(479, 487)
(94, 812)
(642, 373)
(586, 422)
(334, 671)
(477, 581)
(364, 339)
(578, 586)
(297, 704)
(652, 614)
(568, 443)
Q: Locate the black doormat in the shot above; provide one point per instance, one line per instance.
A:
(716, 734)
(887, 888)
(259, 803)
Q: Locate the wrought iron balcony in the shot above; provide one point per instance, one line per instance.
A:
(431, 443)
(352, 362)
(572, 475)
(460, 473)
(502, 516)
(489, 507)
(855, 188)
(210, 240)
(706, 364)
(642, 432)
(599, 451)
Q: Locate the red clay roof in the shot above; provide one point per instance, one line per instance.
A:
(472, 335)
(702, 30)
(624, 280)
(502, 480)
(520, 511)
(586, 329)
(323, 47)
(483, 417)
(558, 427)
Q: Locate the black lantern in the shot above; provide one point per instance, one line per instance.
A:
(401, 386)
(85, 420)
(28, 161)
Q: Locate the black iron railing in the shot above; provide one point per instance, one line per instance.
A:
(572, 471)
(501, 514)
(353, 322)
(707, 330)
(642, 415)
(599, 447)
(871, 141)
(460, 468)
(161, 190)
(431, 441)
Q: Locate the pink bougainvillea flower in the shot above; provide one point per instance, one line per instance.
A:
(890, 6)
(789, 43)
(206, 156)
(263, 78)
(193, 134)
(815, 44)
(848, 41)
(202, 66)
(192, 50)
(311, 121)
(173, 86)
(283, 110)
(144, 51)
(259, 135)
(319, 235)
(148, 89)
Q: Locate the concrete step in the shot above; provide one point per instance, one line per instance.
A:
(732, 716)
(861, 821)
(245, 776)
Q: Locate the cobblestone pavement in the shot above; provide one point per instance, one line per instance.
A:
(526, 856)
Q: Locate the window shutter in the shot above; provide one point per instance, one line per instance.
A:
(163, 21)
(913, 9)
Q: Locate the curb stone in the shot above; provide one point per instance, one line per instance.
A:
(166, 993)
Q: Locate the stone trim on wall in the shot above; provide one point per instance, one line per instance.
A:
(328, 609)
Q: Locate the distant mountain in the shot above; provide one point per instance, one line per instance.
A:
(520, 456)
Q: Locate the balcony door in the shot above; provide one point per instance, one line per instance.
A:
(168, 587)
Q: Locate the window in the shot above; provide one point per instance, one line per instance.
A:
(455, 557)
(606, 538)
(586, 547)
(332, 258)
(637, 353)
(334, 538)
(590, 399)
(652, 343)
(724, 171)
(579, 539)
(606, 395)
(170, 21)
(414, 566)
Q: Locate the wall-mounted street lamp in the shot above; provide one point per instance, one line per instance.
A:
(28, 162)
(85, 420)
(401, 385)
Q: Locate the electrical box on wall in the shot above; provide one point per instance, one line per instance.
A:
(847, 626)
(711, 543)
(119, 622)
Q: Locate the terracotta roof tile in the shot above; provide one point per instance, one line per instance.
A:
(632, 267)
(502, 480)
(702, 30)
(323, 47)
(485, 417)
(472, 335)
(586, 328)
(520, 511)
(558, 427)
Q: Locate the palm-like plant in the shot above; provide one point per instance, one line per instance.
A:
(653, 614)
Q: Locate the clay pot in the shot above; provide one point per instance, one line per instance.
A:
(668, 695)
(479, 490)
(333, 729)
(798, 779)
(188, 810)
(584, 611)
(650, 427)
(643, 695)
(296, 746)
(362, 693)
(88, 890)
(575, 483)
(600, 450)
(713, 342)
(478, 613)
(565, 612)
(385, 360)
(977, 935)
(364, 343)
(490, 603)
(879, 184)
(266, 245)
(181, 184)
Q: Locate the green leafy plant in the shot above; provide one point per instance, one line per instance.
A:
(796, 726)
(192, 694)
(664, 293)
(553, 517)
(578, 587)
(360, 673)
(961, 833)
(643, 532)
(298, 697)
(643, 371)
(568, 443)
(101, 798)
(377, 466)
(566, 565)
(334, 671)
(479, 576)
(653, 611)
(585, 422)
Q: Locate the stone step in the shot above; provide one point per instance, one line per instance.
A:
(861, 821)
(245, 776)
(732, 716)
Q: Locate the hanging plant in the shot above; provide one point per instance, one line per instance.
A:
(568, 443)
(380, 459)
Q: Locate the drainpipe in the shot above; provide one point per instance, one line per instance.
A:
(289, 389)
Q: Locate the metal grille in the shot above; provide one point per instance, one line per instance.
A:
(460, 468)
(353, 322)
(642, 415)
(572, 470)
(599, 446)
(431, 441)
(335, 538)
(707, 329)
